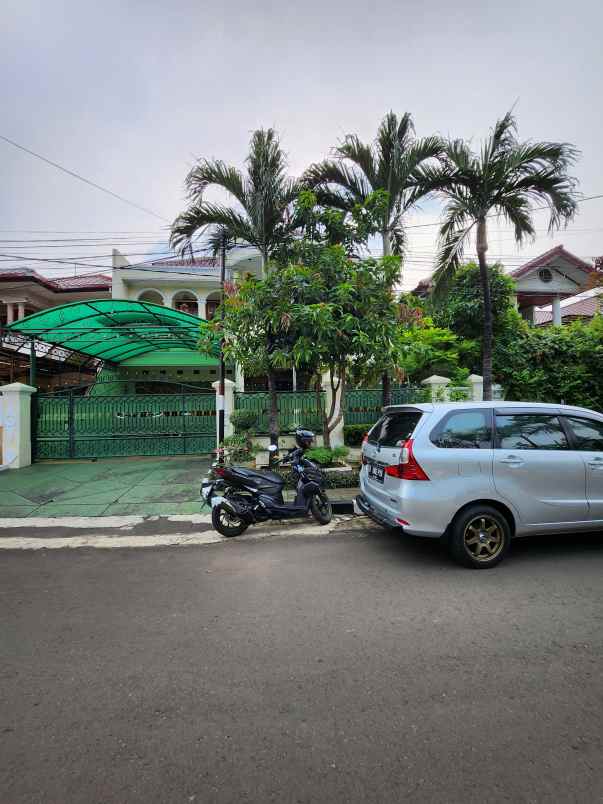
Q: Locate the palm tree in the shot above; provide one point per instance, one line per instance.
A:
(263, 196)
(389, 164)
(261, 217)
(506, 178)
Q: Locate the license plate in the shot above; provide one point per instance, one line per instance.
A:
(376, 472)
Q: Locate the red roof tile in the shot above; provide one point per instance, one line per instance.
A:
(62, 284)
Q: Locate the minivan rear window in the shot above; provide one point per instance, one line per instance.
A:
(394, 427)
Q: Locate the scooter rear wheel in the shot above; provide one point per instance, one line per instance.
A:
(226, 523)
(321, 509)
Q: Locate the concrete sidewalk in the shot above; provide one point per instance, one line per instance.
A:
(105, 487)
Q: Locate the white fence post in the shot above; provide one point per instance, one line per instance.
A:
(477, 387)
(437, 387)
(337, 433)
(16, 427)
(227, 402)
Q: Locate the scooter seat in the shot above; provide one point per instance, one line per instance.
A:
(262, 480)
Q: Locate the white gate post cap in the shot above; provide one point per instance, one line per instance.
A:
(18, 388)
(435, 380)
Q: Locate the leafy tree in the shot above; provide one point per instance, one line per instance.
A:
(462, 310)
(505, 178)
(553, 364)
(263, 195)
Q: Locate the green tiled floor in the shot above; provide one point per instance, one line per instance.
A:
(110, 486)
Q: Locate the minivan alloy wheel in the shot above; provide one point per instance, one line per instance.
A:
(483, 538)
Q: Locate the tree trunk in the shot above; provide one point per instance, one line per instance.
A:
(487, 341)
(386, 388)
(385, 379)
(273, 414)
(387, 243)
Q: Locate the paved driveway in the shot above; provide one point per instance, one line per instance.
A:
(106, 487)
(356, 667)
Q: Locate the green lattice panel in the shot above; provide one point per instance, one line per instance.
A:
(362, 406)
(295, 409)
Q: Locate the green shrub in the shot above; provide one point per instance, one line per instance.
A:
(333, 480)
(243, 420)
(354, 433)
(240, 448)
(327, 457)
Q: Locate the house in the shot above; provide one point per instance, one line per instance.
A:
(547, 279)
(543, 281)
(23, 291)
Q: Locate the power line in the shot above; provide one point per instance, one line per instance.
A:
(81, 178)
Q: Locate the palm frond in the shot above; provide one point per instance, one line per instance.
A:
(330, 172)
(209, 172)
(516, 210)
(198, 216)
(218, 238)
(361, 155)
(452, 237)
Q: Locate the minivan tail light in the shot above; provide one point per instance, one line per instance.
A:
(408, 468)
(364, 439)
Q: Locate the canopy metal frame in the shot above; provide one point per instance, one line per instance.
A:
(113, 329)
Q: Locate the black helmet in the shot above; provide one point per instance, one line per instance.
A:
(304, 438)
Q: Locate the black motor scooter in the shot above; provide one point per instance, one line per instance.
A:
(240, 497)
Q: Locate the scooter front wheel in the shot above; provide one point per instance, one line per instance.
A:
(321, 509)
(226, 523)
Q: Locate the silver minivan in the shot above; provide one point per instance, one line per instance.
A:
(480, 473)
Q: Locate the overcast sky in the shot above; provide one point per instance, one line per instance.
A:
(128, 93)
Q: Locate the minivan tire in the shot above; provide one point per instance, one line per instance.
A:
(479, 537)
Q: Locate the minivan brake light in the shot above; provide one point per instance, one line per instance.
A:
(408, 468)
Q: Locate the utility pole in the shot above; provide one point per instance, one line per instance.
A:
(222, 367)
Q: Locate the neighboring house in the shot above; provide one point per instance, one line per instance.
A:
(543, 281)
(549, 278)
(22, 292)
(576, 308)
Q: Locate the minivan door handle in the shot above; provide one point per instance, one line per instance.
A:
(512, 460)
(596, 463)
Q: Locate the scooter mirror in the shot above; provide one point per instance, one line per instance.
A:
(272, 448)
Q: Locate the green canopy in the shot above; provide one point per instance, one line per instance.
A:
(112, 329)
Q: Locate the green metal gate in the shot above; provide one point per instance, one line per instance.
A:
(68, 425)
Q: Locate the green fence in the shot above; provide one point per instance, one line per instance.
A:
(295, 409)
(364, 406)
(71, 426)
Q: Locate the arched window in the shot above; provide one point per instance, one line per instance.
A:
(186, 302)
(152, 296)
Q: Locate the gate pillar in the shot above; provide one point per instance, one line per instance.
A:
(16, 428)
(227, 402)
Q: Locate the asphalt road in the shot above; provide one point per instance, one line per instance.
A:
(353, 667)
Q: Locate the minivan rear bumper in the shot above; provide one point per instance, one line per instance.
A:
(379, 517)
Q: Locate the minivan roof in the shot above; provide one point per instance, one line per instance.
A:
(495, 403)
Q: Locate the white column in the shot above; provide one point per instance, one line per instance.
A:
(337, 433)
(201, 311)
(437, 387)
(239, 379)
(476, 383)
(557, 311)
(21, 310)
(226, 402)
(16, 432)
(10, 312)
